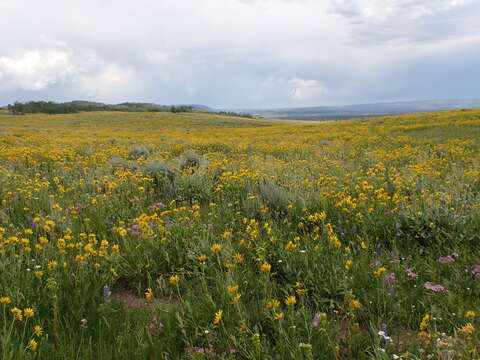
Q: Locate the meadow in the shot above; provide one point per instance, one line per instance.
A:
(197, 236)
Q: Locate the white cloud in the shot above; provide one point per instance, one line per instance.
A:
(380, 10)
(110, 83)
(35, 69)
(303, 89)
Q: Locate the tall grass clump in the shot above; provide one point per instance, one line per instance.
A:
(276, 197)
(191, 160)
(163, 175)
(138, 151)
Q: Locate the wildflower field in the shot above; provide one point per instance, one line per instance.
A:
(197, 236)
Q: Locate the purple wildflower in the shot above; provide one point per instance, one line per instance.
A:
(155, 324)
(429, 286)
(446, 259)
(106, 294)
(389, 278)
(410, 273)
(315, 319)
(476, 270)
(378, 251)
(77, 207)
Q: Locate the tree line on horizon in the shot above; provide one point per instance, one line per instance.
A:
(51, 107)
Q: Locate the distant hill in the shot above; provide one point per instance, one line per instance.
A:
(200, 107)
(322, 113)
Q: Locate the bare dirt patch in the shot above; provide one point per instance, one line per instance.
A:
(131, 300)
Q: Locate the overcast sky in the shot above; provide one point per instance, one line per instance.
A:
(239, 53)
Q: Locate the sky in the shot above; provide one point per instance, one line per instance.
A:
(236, 54)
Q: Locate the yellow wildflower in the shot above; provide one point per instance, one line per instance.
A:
(149, 294)
(379, 271)
(174, 279)
(232, 288)
(52, 264)
(290, 301)
(18, 313)
(28, 312)
(273, 303)
(468, 329)
(238, 258)
(348, 264)
(278, 316)
(301, 291)
(43, 240)
(470, 314)
(215, 248)
(37, 330)
(425, 322)
(290, 246)
(355, 304)
(32, 345)
(265, 267)
(218, 317)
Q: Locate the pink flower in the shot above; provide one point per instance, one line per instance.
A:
(446, 259)
(388, 278)
(476, 270)
(410, 273)
(315, 319)
(437, 288)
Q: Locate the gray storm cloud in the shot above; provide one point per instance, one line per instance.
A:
(239, 53)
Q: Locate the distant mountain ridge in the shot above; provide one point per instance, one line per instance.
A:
(365, 110)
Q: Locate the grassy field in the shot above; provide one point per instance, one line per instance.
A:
(194, 236)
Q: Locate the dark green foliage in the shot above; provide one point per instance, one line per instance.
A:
(50, 107)
(46, 107)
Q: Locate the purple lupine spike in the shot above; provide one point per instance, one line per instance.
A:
(106, 294)
(378, 249)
